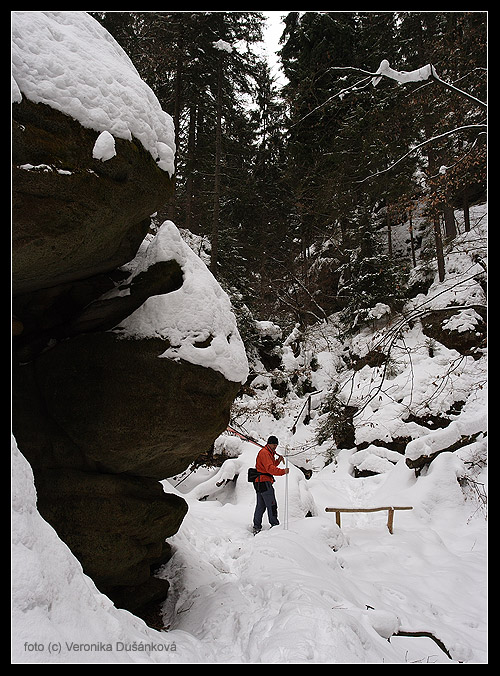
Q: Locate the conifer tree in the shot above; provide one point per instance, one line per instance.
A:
(336, 139)
(298, 188)
(454, 167)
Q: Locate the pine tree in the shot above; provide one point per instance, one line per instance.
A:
(201, 67)
(455, 166)
(267, 241)
(295, 188)
(337, 139)
(371, 276)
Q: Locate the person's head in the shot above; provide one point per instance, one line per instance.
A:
(273, 442)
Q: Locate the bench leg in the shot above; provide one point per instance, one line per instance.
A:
(390, 520)
(337, 518)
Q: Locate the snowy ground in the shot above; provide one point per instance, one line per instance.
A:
(306, 592)
(314, 593)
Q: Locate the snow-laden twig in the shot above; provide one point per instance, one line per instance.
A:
(427, 72)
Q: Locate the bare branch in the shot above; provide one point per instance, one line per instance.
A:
(469, 151)
(357, 85)
(452, 88)
(420, 145)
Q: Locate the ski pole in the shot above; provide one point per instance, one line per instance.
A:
(286, 490)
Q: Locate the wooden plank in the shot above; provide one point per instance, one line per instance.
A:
(362, 509)
(390, 513)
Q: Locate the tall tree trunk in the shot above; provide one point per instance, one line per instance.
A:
(389, 233)
(218, 144)
(412, 242)
(190, 168)
(450, 227)
(466, 212)
(432, 159)
(439, 248)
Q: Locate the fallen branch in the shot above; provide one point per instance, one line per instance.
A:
(426, 634)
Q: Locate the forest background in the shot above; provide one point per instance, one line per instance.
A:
(292, 190)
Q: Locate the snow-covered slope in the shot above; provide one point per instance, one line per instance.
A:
(309, 592)
(58, 615)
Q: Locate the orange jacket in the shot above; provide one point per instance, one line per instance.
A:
(267, 462)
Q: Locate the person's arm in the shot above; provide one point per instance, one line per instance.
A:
(269, 466)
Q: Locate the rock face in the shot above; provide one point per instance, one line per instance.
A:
(127, 410)
(461, 329)
(102, 421)
(80, 215)
(102, 417)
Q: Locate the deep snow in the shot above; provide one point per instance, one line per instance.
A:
(306, 593)
(314, 593)
(310, 593)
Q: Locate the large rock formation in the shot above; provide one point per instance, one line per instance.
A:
(114, 387)
(81, 216)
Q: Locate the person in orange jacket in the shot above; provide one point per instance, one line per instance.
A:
(267, 465)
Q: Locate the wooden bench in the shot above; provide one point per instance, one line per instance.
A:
(390, 513)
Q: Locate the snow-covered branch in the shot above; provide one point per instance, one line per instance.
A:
(427, 72)
(384, 70)
(422, 74)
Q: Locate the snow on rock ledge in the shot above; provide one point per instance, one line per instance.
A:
(58, 615)
(442, 439)
(68, 61)
(197, 319)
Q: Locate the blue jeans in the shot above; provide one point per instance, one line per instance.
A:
(265, 500)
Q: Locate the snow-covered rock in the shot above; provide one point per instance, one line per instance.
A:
(58, 614)
(196, 320)
(68, 61)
